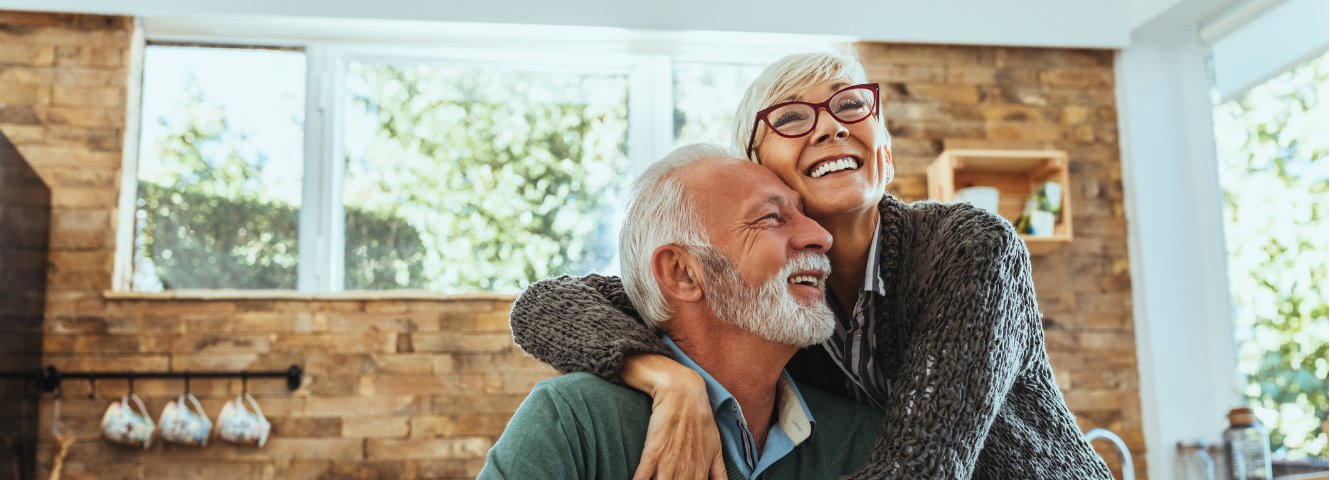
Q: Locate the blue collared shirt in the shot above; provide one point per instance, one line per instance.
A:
(794, 423)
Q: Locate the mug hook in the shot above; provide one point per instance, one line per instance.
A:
(92, 386)
(131, 383)
(55, 425)
(244, 382)
(187, 392)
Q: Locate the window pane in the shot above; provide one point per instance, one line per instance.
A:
(220, 163)
(466, 178)
(1272, 149)
(705, 97)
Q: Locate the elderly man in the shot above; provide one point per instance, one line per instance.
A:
(735, 284)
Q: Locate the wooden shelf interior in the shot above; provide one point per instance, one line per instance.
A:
(1015, 173)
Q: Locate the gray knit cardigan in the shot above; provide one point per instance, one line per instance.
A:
(960, 337)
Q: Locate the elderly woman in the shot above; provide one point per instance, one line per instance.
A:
(937, 323)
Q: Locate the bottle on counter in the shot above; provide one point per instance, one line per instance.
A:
(1247, 446)
(1193, 462)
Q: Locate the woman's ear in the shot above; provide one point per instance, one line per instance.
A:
(888, 166)
(677, 273)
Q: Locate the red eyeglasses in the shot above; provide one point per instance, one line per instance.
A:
(795, 119)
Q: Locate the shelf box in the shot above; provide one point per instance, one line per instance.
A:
(1014, 173)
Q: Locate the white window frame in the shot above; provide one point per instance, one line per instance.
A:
(1180, 291)
(330, 45)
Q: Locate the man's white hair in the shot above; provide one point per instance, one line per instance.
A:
(789, 77)
(659, 213)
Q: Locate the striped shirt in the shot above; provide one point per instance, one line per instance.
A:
(853, 345)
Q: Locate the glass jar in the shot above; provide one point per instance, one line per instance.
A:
(1194, 462)
(1247, 446)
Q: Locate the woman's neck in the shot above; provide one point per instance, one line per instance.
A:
(851, 232)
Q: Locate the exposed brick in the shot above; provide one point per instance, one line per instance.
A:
(362, 342)
(461, 342)
(80, 228)
(441, 448)
(300, 469)
(89, 77)
(478, 404)
(312, 427)
(87, 96)
(89, 56)
(21, 54)
(84, 176)
(363, 406)
(25, 95)
(76, 197)
(66, 324)
(105, 363)
(21, 134)
(208, 470)
(44, 155)
(379, 322)
(375, 427)
(949, 94)
(19, 114)
(250, 322)
(428, 426)
(95, 138)
(331, 385)
(433, 384)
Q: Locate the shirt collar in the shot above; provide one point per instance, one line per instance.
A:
(873, 271)
(792, 414)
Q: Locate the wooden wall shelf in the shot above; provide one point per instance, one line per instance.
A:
(1015, 173)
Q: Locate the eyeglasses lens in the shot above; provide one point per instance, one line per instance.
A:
(849, 105)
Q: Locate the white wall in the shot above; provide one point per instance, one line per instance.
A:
(1081, 23)
(1184, 331)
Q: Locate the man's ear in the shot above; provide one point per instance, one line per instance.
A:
(677, 273)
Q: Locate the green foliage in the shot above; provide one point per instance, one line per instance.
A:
(202, 221)
(197, 240)
(200, 240)
(1273, 159)
(509, 176)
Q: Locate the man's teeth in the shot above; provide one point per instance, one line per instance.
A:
(846, 163)
(804, 280)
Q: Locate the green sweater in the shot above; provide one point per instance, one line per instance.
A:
(579, 426)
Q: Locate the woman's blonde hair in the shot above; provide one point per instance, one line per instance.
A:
(785, 79)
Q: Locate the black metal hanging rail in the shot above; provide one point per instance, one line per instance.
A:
(51, 377)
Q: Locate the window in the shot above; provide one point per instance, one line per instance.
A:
(219, 171)
(465, 178)
(326, 167)
(705, 98)
(1272, 150)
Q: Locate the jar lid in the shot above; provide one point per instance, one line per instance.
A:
(1241, 416)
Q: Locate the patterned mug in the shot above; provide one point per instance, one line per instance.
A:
(185, 425)
(237, 424)
(124, 424)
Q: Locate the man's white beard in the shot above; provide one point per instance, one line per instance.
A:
(769, 311)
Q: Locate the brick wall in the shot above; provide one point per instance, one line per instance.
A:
(399, 387)
(950, 97)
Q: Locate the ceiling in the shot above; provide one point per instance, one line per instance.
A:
(1054, 23)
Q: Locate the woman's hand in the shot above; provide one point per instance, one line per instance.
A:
(682, 440)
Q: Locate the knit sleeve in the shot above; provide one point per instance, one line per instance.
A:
(581, 324)
(974, 332)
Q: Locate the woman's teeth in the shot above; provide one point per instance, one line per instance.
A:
(833, 166)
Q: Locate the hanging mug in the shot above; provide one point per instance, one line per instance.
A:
(238, 424)
(185, 425)
(124, 424)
